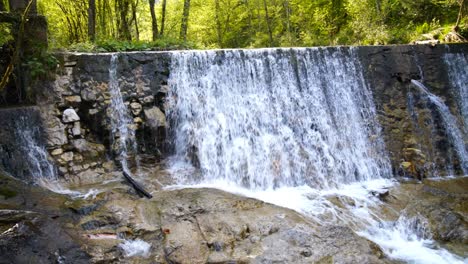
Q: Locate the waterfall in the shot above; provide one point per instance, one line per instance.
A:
(454, 134)
(123, 137)
(275, 117)
(458, 74)
(291, 127)
(24, 153)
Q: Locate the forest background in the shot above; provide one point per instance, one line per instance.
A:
(120, 25)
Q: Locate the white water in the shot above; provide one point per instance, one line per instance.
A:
(458, 72)
(123, 136)
(136, 247)
(29, 141)
(275, 118)
(454, 134)
(293, 127)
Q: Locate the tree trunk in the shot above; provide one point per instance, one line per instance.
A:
(92, 20)
(2, 6)
(123, 25)
(185, 17)
(218, 23)
(460, 14)
(163, 17)
(267, 18)
(154, 21)
(135, 20)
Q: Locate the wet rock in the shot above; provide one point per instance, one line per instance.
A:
(56, 152)
(88, 149)
(76, 130)
(66, 157)
(73, 100)
(148, 99)
(136, 108)
(206, 224)
(155, 118)
(70, 116)
(55, 132)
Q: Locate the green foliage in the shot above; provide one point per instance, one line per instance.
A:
(5, 33)
(244, 23)
(112, 45)
(40, 66)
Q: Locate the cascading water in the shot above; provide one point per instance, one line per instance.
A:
(29, 148)
(123, 136)
(455, 135)
(458, 72)
(272, 118)
(291, 127)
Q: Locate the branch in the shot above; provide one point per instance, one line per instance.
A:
(19, 40)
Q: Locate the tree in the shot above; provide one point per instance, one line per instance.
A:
(2, 6)
(218, 24)
(154, 21)
(268, 22)
(163, 16)
(185, 17)
(460, 14)
(92, 20)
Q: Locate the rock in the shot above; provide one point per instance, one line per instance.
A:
(108, 166)
(67, 156)
(148, 99)
(73, 100)
(70, 116)
(136, 108)
(89, 94)
(76, 130)
(55, 132)
(77, 157)
(137, 120)
(93, 111)
(155, 118)
(56, 152)
(206, 224)
(88, 149)
(406, 165)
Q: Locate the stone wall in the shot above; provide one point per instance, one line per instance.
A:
(75, 106)
(417, 143)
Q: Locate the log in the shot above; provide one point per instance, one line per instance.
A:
(137, 186)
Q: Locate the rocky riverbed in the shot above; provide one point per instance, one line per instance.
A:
(206, 226)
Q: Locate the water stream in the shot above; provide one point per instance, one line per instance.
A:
(454, 134)
(123, 137)
(293, 127)
(31, 145)
(458, 72)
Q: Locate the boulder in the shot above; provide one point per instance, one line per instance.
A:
(155, 118)
(70, 116)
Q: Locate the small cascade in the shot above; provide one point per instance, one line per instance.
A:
(23, 148)
(408, 240)
(457, 64)
(271, 118)
(123, 137)
(454, 134)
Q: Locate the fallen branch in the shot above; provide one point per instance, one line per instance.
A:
(137, 186)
